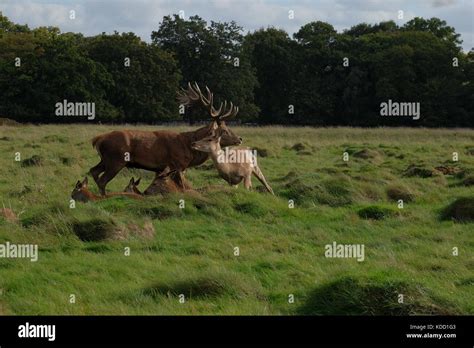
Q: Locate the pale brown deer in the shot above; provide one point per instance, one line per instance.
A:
(81, 193)
(162, 151)
(233, 168)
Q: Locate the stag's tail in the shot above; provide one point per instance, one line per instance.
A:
(258, 173)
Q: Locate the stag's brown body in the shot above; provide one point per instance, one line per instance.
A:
(159, 151)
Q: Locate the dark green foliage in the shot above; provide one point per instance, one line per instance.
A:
(207, 54)
(318, 77)
(272, 54)
(143, 90)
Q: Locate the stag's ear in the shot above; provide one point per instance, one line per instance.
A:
(85, 182)
(137, 182)
(219, 139)
(214, 125)
(78, 184)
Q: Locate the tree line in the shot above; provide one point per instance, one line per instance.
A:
(316, 77)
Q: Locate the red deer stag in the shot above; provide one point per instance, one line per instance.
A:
(162, 151)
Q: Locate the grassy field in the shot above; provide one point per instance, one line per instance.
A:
(191, 251)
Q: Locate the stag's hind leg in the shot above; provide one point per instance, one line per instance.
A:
(111, 171)
(96, 170)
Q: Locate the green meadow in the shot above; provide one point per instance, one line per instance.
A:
(235, 252)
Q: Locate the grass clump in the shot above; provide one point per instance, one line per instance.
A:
(375, 212)
(252, 208)
(67, 161)
(333, 192)
(469, 181)
(414, 170)
(35, 160)
(462, 210)
(219, 284)
(397, 192)
(298, 147)
(368, 154)
(366, 296)
(262, 152)
(97, 229)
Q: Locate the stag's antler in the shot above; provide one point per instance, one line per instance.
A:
(193, 94)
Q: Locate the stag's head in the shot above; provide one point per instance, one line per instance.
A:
(217, 126)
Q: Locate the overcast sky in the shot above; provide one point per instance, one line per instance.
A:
(143, 16)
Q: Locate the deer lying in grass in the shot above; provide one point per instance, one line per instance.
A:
(132, 186)
(232, 171)
(81, 193)
(160, 185)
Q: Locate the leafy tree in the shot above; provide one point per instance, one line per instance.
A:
(329, 78)
(53, 68)
(436, 26)
(319, 66)
(272, 54)
(6, 26)
(212, 55)
(145, 78)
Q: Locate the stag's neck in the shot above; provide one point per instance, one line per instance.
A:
(192, 136)
(196, 135)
